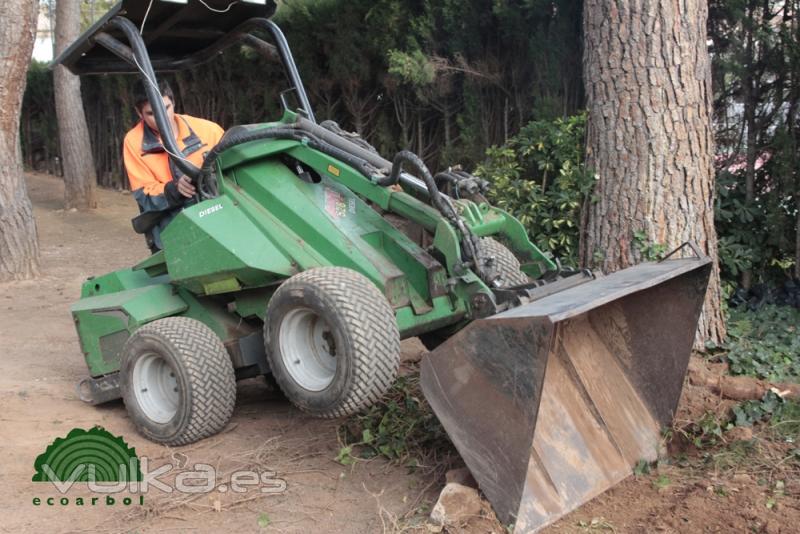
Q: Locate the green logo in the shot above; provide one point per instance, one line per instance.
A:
(93, 455)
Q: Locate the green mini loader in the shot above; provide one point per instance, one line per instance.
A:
(308, 257)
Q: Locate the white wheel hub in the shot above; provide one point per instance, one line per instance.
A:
(308, 349)
(156, 387)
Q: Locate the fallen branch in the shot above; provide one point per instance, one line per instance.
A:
(739, 388)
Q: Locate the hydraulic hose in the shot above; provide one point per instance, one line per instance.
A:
(442, 203)
(290, 132)
(406, 157)
(301, 131)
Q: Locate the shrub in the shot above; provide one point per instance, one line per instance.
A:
(539, 176)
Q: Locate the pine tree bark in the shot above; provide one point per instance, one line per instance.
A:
(650, 141)
(80, 178)
(19, 249)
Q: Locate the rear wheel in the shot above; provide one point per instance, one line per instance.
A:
(177, 381)
(332, 341)
(506, 265)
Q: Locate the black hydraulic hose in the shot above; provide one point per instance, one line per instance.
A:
(302, 131)
(288, 132)
(354, 138)
(406, 157)
(470, 242)
(442, 178)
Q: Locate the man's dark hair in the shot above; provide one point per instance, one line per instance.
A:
(140, 94)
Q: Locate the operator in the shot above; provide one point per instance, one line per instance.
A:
(156, 182)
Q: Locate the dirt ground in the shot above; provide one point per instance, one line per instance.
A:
(40, 363)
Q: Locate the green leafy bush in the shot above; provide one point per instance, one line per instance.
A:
(539, 176)
(782, 415)
(764, 343)
(705, 432)
(754, 236)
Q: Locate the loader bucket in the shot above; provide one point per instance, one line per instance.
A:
(553, 402)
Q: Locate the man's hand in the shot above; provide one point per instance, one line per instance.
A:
(185, 187)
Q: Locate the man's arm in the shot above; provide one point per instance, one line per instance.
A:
(151, 194)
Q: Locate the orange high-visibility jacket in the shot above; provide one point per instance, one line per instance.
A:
(147, 164)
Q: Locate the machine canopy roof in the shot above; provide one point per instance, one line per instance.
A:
(176, 33)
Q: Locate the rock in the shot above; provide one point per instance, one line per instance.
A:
(456, 504)
(461, 476)
(411, 350)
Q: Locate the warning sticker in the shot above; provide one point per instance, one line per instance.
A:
(335, 203)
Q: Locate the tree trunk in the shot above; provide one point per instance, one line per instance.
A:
(19, 248)
(750, 100)
(793, 11)
(650, 140)
(76, 151)
(796, 271)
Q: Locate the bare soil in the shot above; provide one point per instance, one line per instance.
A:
(743, 483)
(715, 490)
(41, 362)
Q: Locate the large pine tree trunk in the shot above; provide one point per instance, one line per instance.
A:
(73, 133)
(19, 249)
(650, 141)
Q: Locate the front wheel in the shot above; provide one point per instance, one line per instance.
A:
(177, 381)
(507, 266)
(332, 341)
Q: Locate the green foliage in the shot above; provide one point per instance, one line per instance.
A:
(782, 415)
(38, 128)
(439, 78)
(753, 52)
(642, 468)
(650, 251)
(401, 428)
(662, 482)
(539, 176)
(705, 432)
(764, 344)
(414, 68)
(263, 520)
(752, 236)
(91, 11)
(734, 221)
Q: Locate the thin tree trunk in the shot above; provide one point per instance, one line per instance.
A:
(797, 241)
(76, 151)
(750, 99)
(793, 11)
(650, 140)
(19, 248)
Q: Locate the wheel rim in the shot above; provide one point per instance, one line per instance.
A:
(156, 388)
(308, 349)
